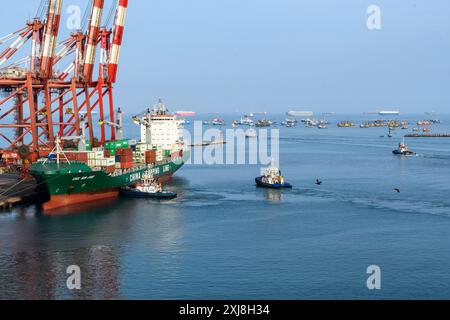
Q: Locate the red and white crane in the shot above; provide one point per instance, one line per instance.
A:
(40, 103)
(119, 25)
(50, 37)
(92, 39)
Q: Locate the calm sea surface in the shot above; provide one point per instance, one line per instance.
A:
(223, 238)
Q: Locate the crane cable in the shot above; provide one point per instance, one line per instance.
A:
(21, 190)
(86, 16)
(12, 187)
(111, 13)
(41, 9)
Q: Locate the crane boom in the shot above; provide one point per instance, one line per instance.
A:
(92, 39)
(117, 39)
(50, 37)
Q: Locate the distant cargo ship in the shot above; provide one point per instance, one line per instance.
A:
(91, 174)
(300, 113)
(389, 113)
(185, 113)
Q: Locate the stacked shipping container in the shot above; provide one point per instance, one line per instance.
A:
(124, 158)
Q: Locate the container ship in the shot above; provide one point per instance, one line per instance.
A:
(300, 113)
(389, 113)
(88, 174)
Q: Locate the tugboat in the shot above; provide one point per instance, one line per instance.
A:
(271, 178)
(403, 150)
(147, 188)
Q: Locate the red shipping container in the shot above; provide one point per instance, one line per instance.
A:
(126, 165)
(83, 157)
(150, 156)
(110, 169)
(126, 158)
(107, 153)
(150, 153)
(124, 152)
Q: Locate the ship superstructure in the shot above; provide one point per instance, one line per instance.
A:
(159, 127)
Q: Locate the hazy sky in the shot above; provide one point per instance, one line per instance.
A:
(277, 55)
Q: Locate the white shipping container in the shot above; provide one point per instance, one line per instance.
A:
(141, 147)
(99, 154)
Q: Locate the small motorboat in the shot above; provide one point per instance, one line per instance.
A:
(147, 189)
(271, 178)
(403, 150)
(391, 132)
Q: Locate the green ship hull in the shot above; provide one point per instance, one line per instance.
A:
(79, 178)
(76, 182)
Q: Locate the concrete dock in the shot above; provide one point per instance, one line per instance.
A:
(14, 191)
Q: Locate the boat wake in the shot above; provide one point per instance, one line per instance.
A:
(405, 205)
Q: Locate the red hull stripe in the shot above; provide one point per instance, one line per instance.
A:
(65, 200)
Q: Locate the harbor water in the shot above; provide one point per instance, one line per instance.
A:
(223, 238)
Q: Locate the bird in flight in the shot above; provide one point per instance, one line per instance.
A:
(397, 190)
(318, 182)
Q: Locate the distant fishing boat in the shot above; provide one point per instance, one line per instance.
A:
(246, 121)
(217, 122)
(263, 123)
(290, 122)
(345, 124)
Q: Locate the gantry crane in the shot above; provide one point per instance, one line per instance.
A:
(39, 103)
